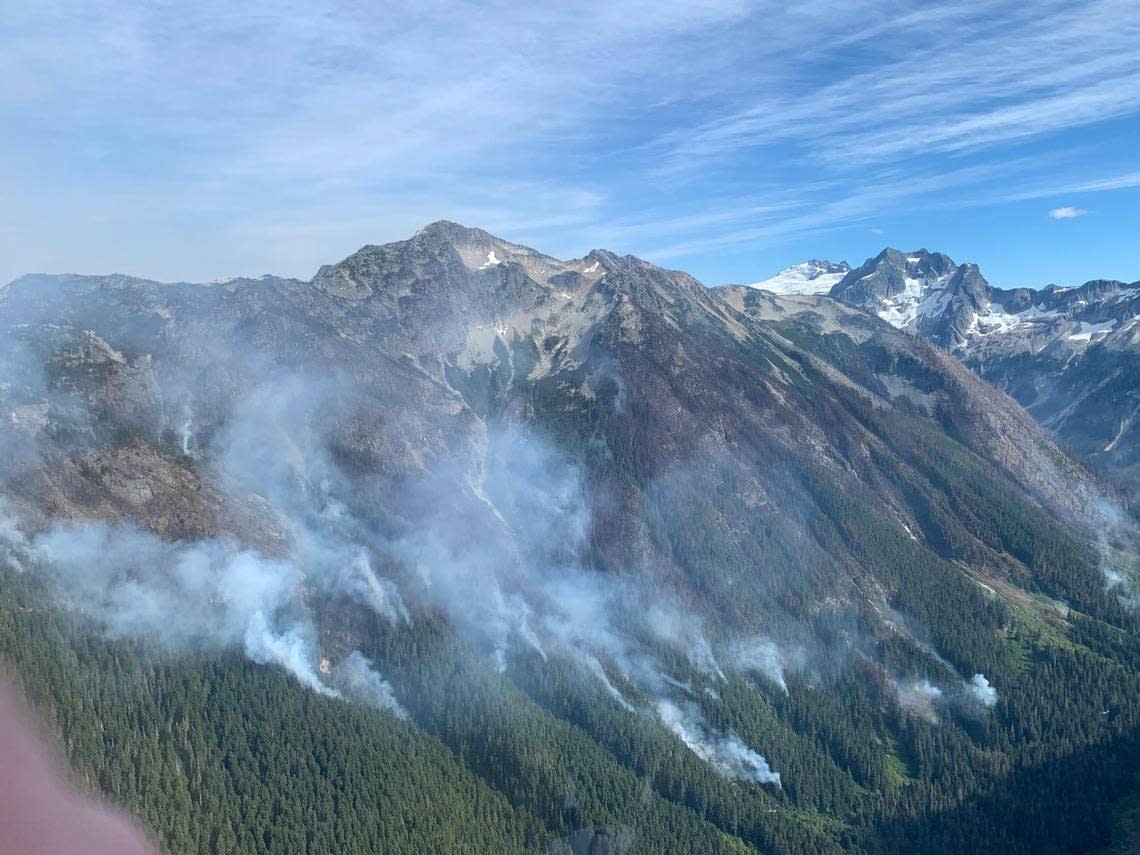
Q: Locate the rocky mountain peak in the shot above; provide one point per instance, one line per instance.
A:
(1067, 353)
(448, 230)
(920, 291)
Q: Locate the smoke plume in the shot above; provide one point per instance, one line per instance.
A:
(724, 752)
(982, 691)
(920, 698)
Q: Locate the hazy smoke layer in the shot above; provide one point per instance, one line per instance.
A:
(497, 544)
(492, 536)
(492, 533)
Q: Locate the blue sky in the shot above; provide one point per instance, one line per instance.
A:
(192, 141)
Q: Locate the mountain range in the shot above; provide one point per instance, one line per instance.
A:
(1067, 354)
(581, 555)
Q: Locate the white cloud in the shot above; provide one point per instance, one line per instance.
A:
(1066, 213)
(286, 134)
(1014, 72)
(227, 121)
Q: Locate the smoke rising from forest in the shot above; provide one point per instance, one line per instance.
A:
(492, 531)
(494, 539)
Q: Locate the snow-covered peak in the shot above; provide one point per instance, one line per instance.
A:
(922, 292)
(952, 305)
(810, 277)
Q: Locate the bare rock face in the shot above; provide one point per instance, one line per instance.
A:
(922, 292)
(129, 483)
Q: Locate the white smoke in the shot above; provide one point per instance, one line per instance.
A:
(509, 620)
(1119, 583)
(595, 667)
(981, 690)
(522, 626)
(14, 547)
(289, 649)
(204, 595)
(186, 433)
(920, 698)
(357, 675)
(685, 635)
(359, 581)
(762, 656)
(677, 684)
(724, 752)
(1118, 542)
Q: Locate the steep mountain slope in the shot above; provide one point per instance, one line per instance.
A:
(705, 568)
(1068, 355)
(1071, 356)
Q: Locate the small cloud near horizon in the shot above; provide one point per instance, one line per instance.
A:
(1066, 213)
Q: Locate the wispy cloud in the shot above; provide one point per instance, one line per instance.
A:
(253, 115)
(1066, 213)
(841, 206)
(912, 99)
(285, 134)
(967, 77)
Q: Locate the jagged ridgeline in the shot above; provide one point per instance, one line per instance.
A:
(459, 547)
(1069, 355)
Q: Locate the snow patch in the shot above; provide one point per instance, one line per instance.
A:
(1086, 331)
(919, 298)
(997, 320)
(807, 278)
